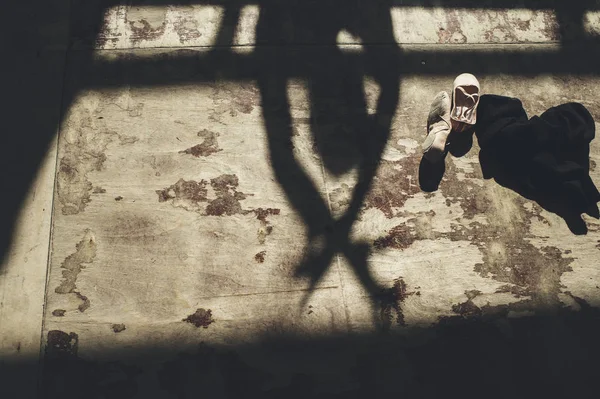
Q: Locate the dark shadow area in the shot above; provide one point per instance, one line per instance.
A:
(551, 355)
(459, 144)
(32, 71)
(431, 174)
(545, 158)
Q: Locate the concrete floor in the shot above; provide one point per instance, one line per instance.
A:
(211, 200)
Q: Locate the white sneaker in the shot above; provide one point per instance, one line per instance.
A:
(465, 99)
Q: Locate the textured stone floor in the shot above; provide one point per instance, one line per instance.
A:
(227, 202)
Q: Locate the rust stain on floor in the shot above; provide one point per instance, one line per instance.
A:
(200, 318)
(186, 27)
(186, 194)
(231, 99)
(391, 300)
(190, 194)
(453, 32)
(207, 147)
(83, 152)
(395, 183)
(194, 196)
(146, 23)
(266, 228)
(228, 198)
(260, 257)
(73, 265)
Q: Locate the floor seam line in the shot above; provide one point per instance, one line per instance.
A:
(61, 114)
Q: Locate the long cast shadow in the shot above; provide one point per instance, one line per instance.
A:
(549, 155)
(345, 135)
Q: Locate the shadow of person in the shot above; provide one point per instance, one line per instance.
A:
(544, 159)
(431, 173)
(346, 135)
(460, 143)
(564, 200)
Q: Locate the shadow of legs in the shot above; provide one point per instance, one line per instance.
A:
(431, 174)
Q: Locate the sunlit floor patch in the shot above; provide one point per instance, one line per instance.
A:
(159, 26)
(416, 25)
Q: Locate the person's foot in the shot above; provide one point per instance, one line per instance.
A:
(438, 128)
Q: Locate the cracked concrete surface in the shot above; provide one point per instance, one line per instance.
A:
(206, 161)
